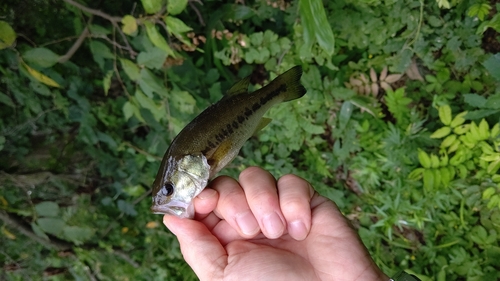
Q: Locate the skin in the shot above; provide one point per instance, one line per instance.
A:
(263, 229)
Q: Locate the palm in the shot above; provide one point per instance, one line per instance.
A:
(326, 252)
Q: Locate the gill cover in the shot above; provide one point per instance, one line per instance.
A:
(184, 178)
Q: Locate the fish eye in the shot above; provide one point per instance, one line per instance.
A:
(168, 189)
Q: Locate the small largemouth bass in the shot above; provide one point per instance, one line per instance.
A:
(214, 138)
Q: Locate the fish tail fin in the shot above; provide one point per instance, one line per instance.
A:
(290, 80)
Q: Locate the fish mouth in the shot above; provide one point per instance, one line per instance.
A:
(179, 209)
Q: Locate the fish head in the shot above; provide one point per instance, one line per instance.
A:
(181, 179)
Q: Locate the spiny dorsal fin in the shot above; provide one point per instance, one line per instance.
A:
(240, 87)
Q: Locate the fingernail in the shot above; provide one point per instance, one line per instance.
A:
(207, 193)
(273, 225)
(297, 229)
(247, 223)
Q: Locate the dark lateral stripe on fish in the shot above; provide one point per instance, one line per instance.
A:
(240, 119)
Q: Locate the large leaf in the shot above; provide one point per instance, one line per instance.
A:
(175, 7)
(152, 6)
(7, 35)
(77, 234)
(131, 69)
(157, 39)
(315, 22)
(129, 25)
(150, 83)
(154, 58)
(51, 225)
(47, 209)
(175, 25)
(41, 56)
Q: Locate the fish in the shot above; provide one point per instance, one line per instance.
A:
(214, 138)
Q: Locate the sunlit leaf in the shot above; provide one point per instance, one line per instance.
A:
(129, 25)
(157, 39)
(175, 7)
(152, 6)
(315, 22)
(7, 35)
(41, 77)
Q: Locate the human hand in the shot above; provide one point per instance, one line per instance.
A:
(260, 229)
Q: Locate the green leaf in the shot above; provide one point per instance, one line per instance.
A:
(183, 101)
(130, 109)
(99, 30)
(152, 6)
(313, 16)
(131, 69)
(135, 190)
(150, 83)
(51, 225)
(38, 231)
(147, 103)
(6, 100)
(106, 82)
(441, 133)
(42, 57)
(127, 208)
(157, 39)
(428, 177)
(77, 234)
(475, 100)
(7, 35)
(153, 59)
(176, 26)
(445, 114)
(129, 25)
(175, 7)
(424, 159)
(479, 10)
(40, 88)
(100, 50)
(47, 209)
(492, 64)
(443, 4)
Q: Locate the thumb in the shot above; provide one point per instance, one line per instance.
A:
(201, 250)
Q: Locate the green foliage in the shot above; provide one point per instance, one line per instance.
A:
(90, 100)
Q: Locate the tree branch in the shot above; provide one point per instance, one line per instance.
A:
(93, 11)
(22, 228)
(75, 46)
(114, 21)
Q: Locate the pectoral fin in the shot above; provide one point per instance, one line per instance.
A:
(263, 122)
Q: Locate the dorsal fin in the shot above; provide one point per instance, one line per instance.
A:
(240, 87)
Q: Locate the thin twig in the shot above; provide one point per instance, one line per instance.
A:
(114, 21)
(75, 47)
(200, 18)
(139, 199)
(94, 12)
(125, 257)
(142, 151)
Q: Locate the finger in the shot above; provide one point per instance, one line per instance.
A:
(232, 207)
(295, 196)
(201, 250)
(262, 197)
(205, 203)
